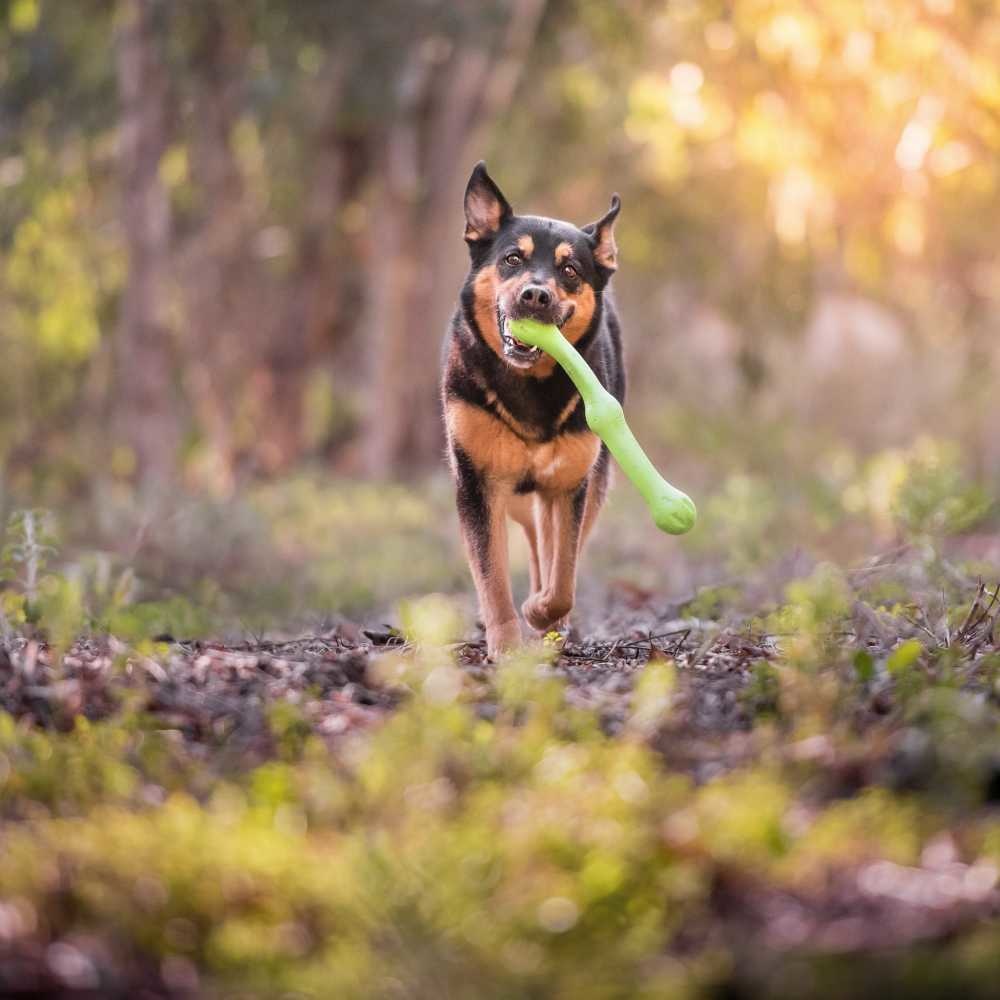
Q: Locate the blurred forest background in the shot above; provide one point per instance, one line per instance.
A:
(231, 239)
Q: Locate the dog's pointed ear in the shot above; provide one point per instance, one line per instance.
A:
(486, 209)
(602, 236)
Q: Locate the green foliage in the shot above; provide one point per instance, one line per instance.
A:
(60, 610)
(936, 497)
(49, 773)
(45, 258)
(904, 657)
(763, 693)
(89, 594)
(45, 597)
(355, 543)
(275, 895)
(530, 854)
(29, 544)
(740, 518)
(710, 602)
(743, 817)
(813, 616)
(875, 824)
(652, 698)
(921, 492)
(430, 620)
(176, 616)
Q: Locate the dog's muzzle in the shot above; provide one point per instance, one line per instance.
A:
(516, 352)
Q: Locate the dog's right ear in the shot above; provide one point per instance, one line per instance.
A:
(486, 209)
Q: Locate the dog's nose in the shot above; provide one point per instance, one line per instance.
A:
(535, 295)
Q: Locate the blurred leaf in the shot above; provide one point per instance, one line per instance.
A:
(904, 656)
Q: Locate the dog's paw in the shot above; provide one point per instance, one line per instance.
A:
(503, 637)
(544, 612)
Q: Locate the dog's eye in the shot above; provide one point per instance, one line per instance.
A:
(570, 272)
(513, 259)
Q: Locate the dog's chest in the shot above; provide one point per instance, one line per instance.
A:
(557, 465)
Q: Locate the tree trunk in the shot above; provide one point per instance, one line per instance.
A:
(144, 358)
(301, 334)
(220, 287)
(416, 252)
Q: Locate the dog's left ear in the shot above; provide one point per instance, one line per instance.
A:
(486, 209)
(602, 237)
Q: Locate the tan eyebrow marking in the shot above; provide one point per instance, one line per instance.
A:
(563, 252)
(527, 245)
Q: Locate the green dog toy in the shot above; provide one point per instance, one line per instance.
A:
(672, 510)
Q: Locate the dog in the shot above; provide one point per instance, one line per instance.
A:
(517, 436)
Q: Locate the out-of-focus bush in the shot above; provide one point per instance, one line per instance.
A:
(528, 855)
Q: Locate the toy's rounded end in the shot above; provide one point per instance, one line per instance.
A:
(676, 515)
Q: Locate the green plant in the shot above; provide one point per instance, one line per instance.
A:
(30, 543)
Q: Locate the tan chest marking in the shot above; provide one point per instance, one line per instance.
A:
(558, 465)
(567, 410)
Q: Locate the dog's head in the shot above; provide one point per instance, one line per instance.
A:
(524, 266)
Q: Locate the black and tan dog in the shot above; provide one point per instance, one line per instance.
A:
(518, 441)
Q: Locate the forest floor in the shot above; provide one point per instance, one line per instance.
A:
(848, 693)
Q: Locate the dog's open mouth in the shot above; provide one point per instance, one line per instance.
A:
(517, 352)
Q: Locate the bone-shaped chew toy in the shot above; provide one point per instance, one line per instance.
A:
(672, 510)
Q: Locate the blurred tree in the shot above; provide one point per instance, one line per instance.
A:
(773, 150)
(147, 411)
(264, 270)
(456, 70)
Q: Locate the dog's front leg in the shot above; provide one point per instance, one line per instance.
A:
(482, 512)
(559, 518)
